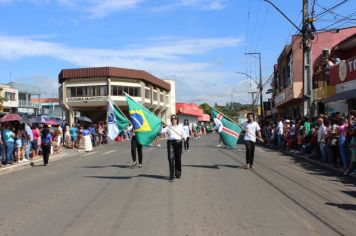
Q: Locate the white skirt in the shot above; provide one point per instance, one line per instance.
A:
(88, 147)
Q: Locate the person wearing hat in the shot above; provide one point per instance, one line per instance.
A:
(176, 134)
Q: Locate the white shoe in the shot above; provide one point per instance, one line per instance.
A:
(219, 145)
(188, 150)
(158, 145)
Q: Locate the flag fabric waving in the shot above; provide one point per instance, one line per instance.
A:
(228, 130)
(117, 121)
(145, 123)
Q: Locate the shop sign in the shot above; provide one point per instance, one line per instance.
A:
(343, 72)
(284, 95)
(87, 99)
(324, 92)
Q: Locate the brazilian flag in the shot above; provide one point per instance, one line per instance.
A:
(145, 123)
(229, 131)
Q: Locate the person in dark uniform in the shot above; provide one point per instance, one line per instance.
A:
(46, 142)
(176, 134)
(135, 146)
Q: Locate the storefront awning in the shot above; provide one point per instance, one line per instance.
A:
(341, 96)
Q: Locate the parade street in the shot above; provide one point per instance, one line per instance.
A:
(98, 193)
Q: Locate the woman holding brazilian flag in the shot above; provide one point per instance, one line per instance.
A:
(146, 127)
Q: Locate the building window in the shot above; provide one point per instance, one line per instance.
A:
(119, 91)
(88, 91)
(290, 69)
(155, 96)
(9, 96)
(161, 98)
(148, 93)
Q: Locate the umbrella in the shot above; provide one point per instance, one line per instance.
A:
(84, 119)
(51, 122)
(10, 117)
(39, 120)
(25, 120)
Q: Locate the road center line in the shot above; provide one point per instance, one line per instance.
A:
(108, 152)
(90, 153)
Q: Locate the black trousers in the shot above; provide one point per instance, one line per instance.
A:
(135, 145)
(174, 148)
(186, 144)
(250, 151)
(46, 150)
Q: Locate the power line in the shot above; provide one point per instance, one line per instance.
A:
(332, 12)
(333, 7)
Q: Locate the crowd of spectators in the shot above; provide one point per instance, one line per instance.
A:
(329, 139)
(24, 142)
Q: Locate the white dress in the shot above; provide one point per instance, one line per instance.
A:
(88, 147)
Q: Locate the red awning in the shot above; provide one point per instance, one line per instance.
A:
(204, 118)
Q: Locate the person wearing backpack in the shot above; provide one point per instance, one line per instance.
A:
(46, 142)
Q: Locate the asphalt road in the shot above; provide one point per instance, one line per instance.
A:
(99, 194)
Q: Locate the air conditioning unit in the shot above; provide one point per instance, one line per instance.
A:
(326, 53)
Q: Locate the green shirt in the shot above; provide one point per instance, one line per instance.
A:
(307, 130)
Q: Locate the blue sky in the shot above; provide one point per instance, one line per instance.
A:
(198, 43)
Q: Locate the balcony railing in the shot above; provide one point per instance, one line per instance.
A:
(28, 104)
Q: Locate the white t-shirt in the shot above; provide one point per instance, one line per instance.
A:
(251, 129)
(321, 132)
(174, 132)
(186, 130)
(280, 127)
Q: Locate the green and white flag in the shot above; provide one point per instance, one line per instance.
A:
(229, 131)
(117, 121)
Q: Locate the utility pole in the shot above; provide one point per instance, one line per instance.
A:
(253, 104)
(306, 31)
(260, 85)
(307, 70)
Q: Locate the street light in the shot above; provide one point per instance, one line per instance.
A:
(252, 93)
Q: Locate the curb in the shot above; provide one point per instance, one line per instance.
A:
(312, 161)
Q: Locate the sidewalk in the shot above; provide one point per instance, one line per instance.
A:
(308, 158)
(5, 169)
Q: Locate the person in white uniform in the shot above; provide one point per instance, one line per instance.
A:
(251, 129)
(175, 134)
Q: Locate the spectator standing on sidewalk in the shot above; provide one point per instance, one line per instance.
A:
(280, 129)
(321, 140)
(35, 141)
(28, 140)
(251, 129)
(9, 143)
(352, 147)
(342, 130)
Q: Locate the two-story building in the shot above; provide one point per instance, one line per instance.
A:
(288, 98)
(26, 93)
(10, 99)
(87, 90)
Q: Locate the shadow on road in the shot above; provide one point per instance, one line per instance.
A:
(161, 177)
(216, 166)
(109, 177)
(343, 206)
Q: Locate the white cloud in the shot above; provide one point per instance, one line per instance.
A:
(203, 4)
(102, 8)
(165, 59)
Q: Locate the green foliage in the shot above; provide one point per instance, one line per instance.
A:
(231, 109)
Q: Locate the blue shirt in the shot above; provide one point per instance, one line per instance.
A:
(85, 132)
(8, 135)
(73, 132)
(46, 140)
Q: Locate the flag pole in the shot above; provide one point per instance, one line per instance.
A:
(114, 104)
(254, 135)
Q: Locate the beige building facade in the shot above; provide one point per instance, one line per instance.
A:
(86, 92)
